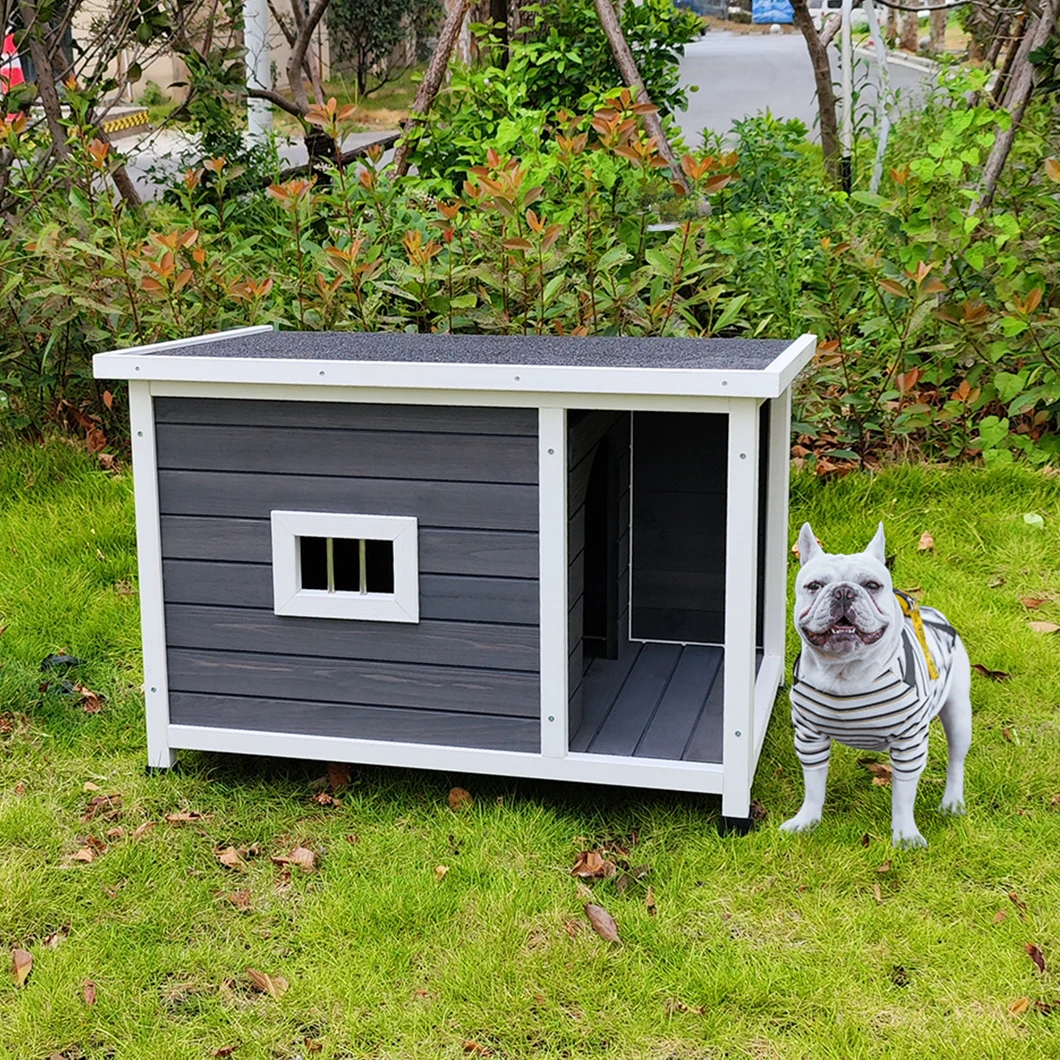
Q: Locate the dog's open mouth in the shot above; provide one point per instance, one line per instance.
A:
(842, 633)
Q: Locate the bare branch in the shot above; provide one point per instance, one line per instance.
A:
(277, 100)
(298, 53)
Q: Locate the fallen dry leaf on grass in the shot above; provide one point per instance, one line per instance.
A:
(1021, 906)
(1019, 1006)
(91, 702)
(588, 865)
(881, 771)
(1036, 955)
(1032, 603)
(89, 786)
(240, 899)
(141, 830)
(85, 854)
(304, 858)
(88, 992)
(186, 817)
(999, 916)
(21, 965)
(339, 775)
(313, 1045)
(885, 867)
(325, 799)
(459, 799)
(229, 857)
(225, 1050)
(1044, 627)
(57, 938)
(572, 927)
(878, 892)
(926, 542)
(273, 985)
(994, 675)
(470, 1046)
(115, 833)
(603, 922)
(440, 871)
(649, 903)
(675, 1005)
(108, 806)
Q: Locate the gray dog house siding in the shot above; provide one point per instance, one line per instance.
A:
(561, 558)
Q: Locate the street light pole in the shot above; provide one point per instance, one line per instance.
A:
(846, 137)
(259, 67)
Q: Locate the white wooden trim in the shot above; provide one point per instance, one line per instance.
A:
(413, 396)
(770, 676)
(703, 777)
(553, 583)
(149, 553)
(506, 378)
(788, 364)
(775, 603)
(289, 598)
(741, 570)
(193, 340)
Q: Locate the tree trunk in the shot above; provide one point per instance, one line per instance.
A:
(938, 27)
(910, 32)
(1015, 47)
(41, 48)
(1021, 84)
(627, 66)
(822, 73)
(432, 80)
(891, 32)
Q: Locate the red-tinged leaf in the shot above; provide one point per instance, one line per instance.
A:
(88, 992)
(225, 1050)
(1032, 603)
(21, 966)
(589, 865)
(994, 675)
(1019, 1006)
(603, 923)
(517, 243)
(471, 1046)
(926, 542)
(141, 830)
(459, 798)
(644, 108)
(895, 288)
(273, 985)
(1033, 300)
(717, 183)
(1035, 955)
(108, 399)
(934, 287)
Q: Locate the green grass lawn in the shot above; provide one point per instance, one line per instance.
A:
(827, 945)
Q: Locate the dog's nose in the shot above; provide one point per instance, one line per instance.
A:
(843, 594)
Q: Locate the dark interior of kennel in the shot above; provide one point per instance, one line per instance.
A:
(647, 504)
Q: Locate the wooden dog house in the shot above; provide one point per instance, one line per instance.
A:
(530, 556)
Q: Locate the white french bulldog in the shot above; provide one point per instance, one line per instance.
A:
(866, 679)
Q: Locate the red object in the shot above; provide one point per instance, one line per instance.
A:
(10, 69)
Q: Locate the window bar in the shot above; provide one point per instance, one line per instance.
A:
(363, 550)
(331, 565)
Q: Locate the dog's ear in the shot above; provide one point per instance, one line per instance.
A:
(877, 547)
(808, 546)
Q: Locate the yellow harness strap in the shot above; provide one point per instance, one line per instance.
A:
(911, 610)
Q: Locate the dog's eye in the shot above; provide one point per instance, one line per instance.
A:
(872, 586)
(814, 586)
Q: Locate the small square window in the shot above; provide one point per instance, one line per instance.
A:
(345, 566)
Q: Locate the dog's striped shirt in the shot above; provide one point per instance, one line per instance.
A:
(893, 715)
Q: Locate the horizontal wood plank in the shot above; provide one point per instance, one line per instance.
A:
(355, 681)
(483, 553)
(686, 627)
(447, 597)
(469, 644)
(338, 415)
(366, 454)
(444, 728)
(681, 705)
(455, 505)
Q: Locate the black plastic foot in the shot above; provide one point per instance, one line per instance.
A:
(735, 825)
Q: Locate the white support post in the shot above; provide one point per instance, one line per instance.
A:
(775, 623)
(259, 67)
(879, 47)
(741, 570)
(552, 546)
(149, 551)
(847, 132)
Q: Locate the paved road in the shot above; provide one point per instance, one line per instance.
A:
(740, 75)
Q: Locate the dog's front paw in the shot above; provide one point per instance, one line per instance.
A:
(952, 807)
(908, 839)
(801, 822)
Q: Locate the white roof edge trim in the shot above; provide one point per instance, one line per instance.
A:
(195, 340)
(787, 364)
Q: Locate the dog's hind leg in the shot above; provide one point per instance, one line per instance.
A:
(956, 718)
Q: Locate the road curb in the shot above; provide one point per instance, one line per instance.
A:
(914, 62)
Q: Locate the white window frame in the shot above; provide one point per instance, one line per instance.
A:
(289, 598)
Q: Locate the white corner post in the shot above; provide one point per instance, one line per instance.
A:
(149, 552)
(741, 598)
(775, 602)
(259, 67)
(847, 132)
(552, 546)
